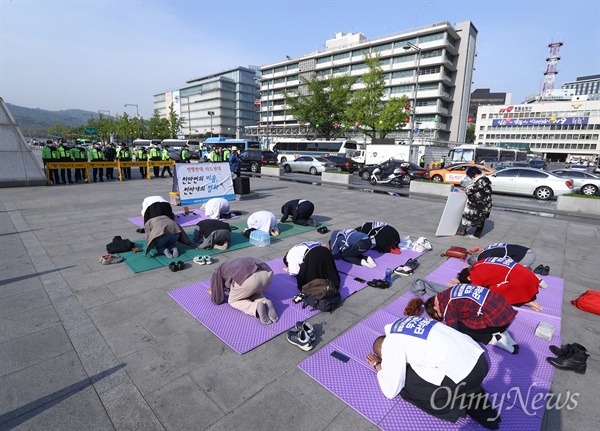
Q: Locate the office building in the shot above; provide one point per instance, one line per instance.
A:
(221, 104)
(554, 130)
(444, 55)
(585, 86)
(483, 96)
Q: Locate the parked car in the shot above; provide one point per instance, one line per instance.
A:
(345, 164)
(175, 153)
(252, 160)
(310, 164)
(530, 182)
(454, 174)
(415, 171)
(583, 167)
(583, 182)
(538, 164)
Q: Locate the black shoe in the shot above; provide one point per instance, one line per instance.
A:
(141, 230)
(565, 349)
(180, 265)
(173, 267)
(538, 269)
(379, 284)
(575, 360)
(545, 271)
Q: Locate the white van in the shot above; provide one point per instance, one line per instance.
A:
(145, 142)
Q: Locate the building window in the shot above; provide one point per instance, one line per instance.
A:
(324, 59)
(401, 44)
(404, 58)
(403, 74)
(429, 86)
(386, 61)
(357, 52)
(341, 56)
(431, 37)
(324, 72)
(429, 70)
(341, 69)
(292, 66)
(431, 54)
(401, 89)
(359, 66)
(280, 69)
(382, 47)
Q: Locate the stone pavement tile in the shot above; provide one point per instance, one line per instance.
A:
(132, 307)
(156, 366)
(312, 394)
(94, 296)
(179, 403)
(34, 348)
(269, 409)
(18, 279)
(27, 322)
(76, 411)
(31, 387)
(147, 281)
(100, 276)
(351, 419)
(230, 379)
(127, 338)
(21, 302)
(168, 322)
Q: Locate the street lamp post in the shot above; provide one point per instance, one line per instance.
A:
(406, 47)
(137, 114)
(109, 122)
(211, 113)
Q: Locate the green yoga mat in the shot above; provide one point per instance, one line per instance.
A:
(139, 262)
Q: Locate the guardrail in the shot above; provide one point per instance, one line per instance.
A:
(103, 164)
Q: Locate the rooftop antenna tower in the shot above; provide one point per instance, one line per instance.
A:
(551, 72)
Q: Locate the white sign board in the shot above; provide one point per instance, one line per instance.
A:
(199, 182)
(452, 215)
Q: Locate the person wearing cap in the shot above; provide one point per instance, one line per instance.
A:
(64, 155)
(48, 156)
(165, 156)
(110, 154)
(384, 238)
(234, 161)
(154, 156)
(227, 152)
(185, 154)
(479, 203)
(96, 155)
(141, 156)
(79, 154)
(124, 155)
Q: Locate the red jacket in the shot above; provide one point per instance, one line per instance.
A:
(506, 277)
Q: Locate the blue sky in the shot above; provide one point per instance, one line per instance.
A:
(99, 55)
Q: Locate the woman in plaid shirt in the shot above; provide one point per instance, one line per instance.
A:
(476, 311)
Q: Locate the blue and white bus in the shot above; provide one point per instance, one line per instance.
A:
(289, 149)
(488, 154)
(221, 142)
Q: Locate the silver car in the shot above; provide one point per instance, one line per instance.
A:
(310, 164)
(530, 182)
(584, 182)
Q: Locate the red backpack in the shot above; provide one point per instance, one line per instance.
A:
(588, 301)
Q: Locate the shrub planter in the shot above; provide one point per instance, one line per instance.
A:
(336, 177)
(578, 204)
(431, 188)
(274, 171)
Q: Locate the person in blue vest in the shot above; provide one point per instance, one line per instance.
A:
(234, 161)
(351, 245)
(435, 368)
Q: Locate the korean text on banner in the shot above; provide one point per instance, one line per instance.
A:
(199, 182)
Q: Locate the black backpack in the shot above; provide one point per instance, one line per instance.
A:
(320, 288)
(325, 304)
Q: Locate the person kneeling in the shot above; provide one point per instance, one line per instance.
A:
(212, 234)
(245, 278)
(435, 368)
(162, 231)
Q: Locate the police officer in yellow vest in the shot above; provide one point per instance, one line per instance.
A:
(141, 156)
(124, 155)
(154, 155)
(79, 154)
(165, 157)
(64, 155)
(185, 154)
(48, 156)
(96, 155)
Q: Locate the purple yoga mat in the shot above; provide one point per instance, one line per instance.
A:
(383, 261)
(519, 377)
(182, 219)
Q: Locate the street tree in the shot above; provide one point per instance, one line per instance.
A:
(322, 103)
(368, 112)
(175, 122)
(470, 137)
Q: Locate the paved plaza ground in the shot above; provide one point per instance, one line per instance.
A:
(90, 347)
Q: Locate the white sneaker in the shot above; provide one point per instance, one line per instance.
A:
(371, 262)
(199, 260)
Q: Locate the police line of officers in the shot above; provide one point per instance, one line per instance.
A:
(63, 152)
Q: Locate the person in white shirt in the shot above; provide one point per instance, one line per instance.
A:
(214, 207)
(435, 368)
(309, 261)
(262, 220)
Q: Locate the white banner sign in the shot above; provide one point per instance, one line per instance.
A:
(199, 182)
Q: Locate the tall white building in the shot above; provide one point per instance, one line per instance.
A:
(443, 53)
(221, 104)
(553, 130)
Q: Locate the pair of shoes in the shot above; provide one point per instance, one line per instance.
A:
(141, 230)
(176, 266)
(471, 236)
(380, 284)
(575, 359)
(203, 260)
(108, 259)
(368, 262)
(303, 336)
(461, 232)
(323, 230)
(412, 264)
(565, 349)
(538, 269)
(404, 271)
(545, 271)
(237, 213)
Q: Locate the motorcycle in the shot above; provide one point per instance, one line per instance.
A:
(398, 178)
